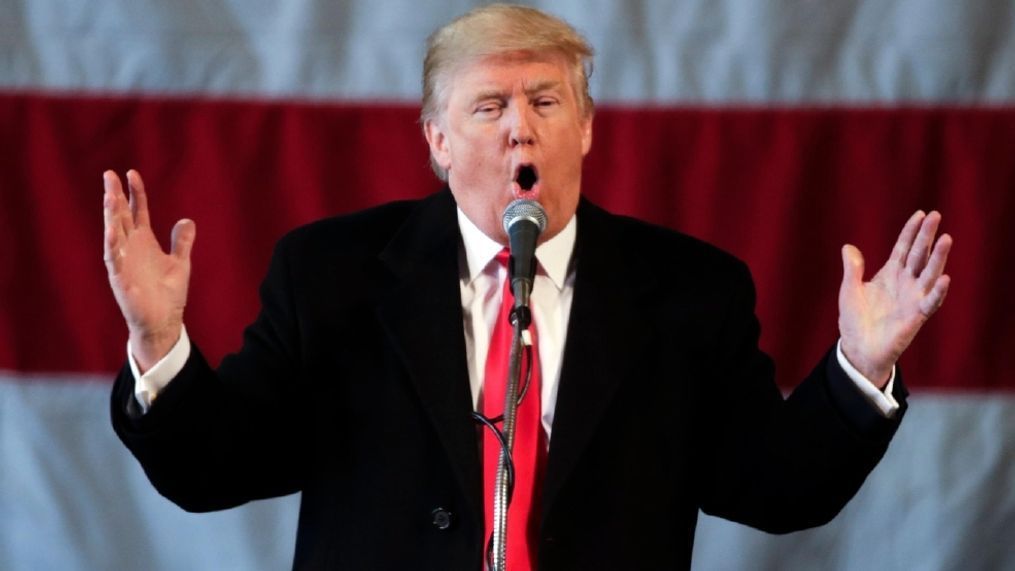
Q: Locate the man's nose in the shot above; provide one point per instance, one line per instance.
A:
(521, 127)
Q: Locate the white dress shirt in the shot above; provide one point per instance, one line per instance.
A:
(482, 285)
(481, 280)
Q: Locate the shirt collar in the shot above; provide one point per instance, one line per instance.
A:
(553, 255)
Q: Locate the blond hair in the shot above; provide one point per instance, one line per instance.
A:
(500, 29)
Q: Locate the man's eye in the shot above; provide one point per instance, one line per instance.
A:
(546, 102)
(488, 109)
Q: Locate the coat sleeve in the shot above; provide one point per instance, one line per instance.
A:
(778, 464)
(216, 439)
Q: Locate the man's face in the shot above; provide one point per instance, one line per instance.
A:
(512, 129)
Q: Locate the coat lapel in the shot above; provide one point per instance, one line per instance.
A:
(422, 315)
(604, 338)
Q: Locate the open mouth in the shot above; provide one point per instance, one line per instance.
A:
(526, 177)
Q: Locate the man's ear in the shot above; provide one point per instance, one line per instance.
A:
(438, 142)
(586, 128)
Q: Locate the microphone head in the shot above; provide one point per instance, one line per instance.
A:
(524, 209)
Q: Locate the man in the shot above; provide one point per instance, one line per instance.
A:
(356, 383)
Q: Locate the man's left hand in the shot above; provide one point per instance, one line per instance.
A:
(879, 319)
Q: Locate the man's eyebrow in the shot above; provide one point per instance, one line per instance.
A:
(489, 94)
(499, 94)
(537, 85)
(542, 85)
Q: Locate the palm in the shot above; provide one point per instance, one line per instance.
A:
(880, 318)
(149, 284)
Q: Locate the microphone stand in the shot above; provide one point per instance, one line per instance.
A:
(520, 318)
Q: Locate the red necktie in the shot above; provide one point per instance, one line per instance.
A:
(529, 451)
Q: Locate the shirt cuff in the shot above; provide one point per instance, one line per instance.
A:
(883, 401)
(150, 384)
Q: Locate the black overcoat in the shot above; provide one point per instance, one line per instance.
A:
(352, 388)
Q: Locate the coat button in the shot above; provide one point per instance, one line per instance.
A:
(441, 518)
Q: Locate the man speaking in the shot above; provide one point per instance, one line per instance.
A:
(374, 377)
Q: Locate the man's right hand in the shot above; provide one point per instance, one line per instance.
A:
(149, 285)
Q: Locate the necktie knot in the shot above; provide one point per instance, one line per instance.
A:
(503, 257)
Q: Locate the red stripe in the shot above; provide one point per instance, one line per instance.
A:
(782, 188)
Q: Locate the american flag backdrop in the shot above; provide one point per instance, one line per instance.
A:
(777, 129)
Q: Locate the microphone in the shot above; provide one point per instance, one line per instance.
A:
(524, 220)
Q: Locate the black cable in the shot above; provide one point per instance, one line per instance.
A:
(489, 423)
(525, 385)
(504, 448)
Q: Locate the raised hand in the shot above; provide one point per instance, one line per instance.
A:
(879, 319)
(149, 285)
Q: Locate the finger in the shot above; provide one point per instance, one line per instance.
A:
(936, 264)
(138, 199)
(920, 250)
(112, 249)
(121, 210)
(110, 183)
(906, 237)
(113, 234)
(184, 233)
(852, 265)
(933, 300)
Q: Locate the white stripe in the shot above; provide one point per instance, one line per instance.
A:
(71, 497)
(650, 51)
(943, 498)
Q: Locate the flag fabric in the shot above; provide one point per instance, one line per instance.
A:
(778, 130)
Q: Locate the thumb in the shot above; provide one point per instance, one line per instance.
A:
(852, 265)
(182, 238)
